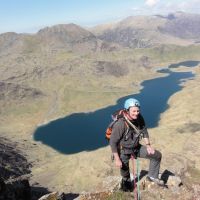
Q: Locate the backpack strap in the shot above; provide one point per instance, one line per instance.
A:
(127, 130)
(126, 124)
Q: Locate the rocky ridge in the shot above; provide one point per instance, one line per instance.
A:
(149, 31)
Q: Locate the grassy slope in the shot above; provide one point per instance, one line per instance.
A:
(55, 170)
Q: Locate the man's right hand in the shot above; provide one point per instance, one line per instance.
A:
(118, 162)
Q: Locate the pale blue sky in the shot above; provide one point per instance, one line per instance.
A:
(28, 16)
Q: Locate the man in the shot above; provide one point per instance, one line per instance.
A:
(124, 143)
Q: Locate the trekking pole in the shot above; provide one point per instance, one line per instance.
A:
(134, 179)
(138, 178)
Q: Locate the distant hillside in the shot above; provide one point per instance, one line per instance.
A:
(68, 37)
(182, 25)
(133, 32)
(147, 31)
(70, 52)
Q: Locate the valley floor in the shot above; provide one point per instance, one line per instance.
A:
(176, 136)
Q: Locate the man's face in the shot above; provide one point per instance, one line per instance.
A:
(134, 112)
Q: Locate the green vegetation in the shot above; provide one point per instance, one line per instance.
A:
(64, 56)
(121, 196)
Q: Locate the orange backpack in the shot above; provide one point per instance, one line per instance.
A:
(115, 116)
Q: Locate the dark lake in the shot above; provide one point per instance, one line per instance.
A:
(86, 131)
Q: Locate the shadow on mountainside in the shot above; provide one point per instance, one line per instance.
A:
(86, 131)
(15, 173)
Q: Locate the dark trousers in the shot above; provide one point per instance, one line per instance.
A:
(154, 165)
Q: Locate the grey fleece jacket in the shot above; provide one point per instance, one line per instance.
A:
(127, 139)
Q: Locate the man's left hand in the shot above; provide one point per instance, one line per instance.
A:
(150, 149)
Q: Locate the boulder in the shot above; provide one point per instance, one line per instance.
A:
(174, 181)
(53, 196)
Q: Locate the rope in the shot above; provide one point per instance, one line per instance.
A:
(132, 125)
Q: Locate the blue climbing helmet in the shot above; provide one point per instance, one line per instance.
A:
(131, 102)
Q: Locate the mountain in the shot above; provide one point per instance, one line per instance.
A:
(147, 31)
(182, 25)
(135, 32)
(11, 42)
(73, 38)
(70, 36)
